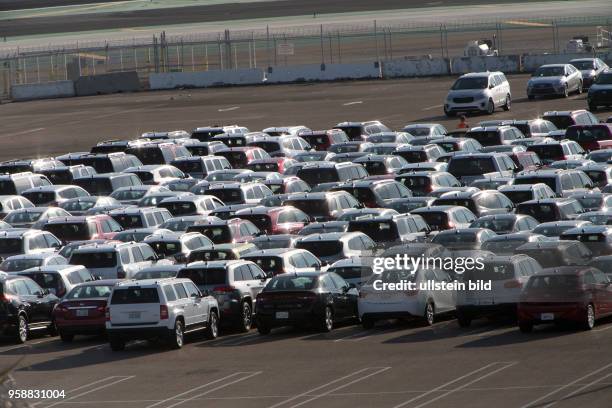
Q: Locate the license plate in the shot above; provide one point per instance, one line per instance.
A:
(82, 312)
(547, 316)
(282, 315)
(134, 315)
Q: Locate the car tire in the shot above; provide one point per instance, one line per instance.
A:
(565, 91)
(327, 322)
(464, 320)
(525, 327)
(246, 318)
(367, 323)
(23, 329)
(429, 314)
(449, 114)
(580, 88)
(589, 317)
(490, 107)
(508, 103)
(212, 330)
(530, 97)
(263, 328)
(177, 336)
(116, 344)
(66, 337)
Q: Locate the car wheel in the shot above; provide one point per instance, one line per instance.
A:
(589, 318)
(429, 315)
(246, 318)
(508, 103)
(367, 323)
(490, 107)
(66, 337)
(212, 331)
(565, 91)
(525, 327)
(23, 329)
(327, 323)
(52, 329)
(579, 90)
(178, 336)
(116, 344)
(530, 97)
(464, 320)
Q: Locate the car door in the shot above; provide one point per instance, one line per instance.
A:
(447, 298)
(31, 303)
(349, 296)
(197, 309)
(338, 298)
(183, 304)
(259, 280)
(43, 304)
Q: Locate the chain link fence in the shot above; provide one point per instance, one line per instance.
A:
(292, 46)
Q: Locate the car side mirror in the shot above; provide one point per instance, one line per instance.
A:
(491, 86)
(40, 294)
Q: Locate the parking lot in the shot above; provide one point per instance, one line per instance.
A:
(389, 366)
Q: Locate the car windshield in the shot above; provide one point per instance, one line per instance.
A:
(40, 197)
(189, 166)
(604, 79)
(10, 246)
(95, 186)
(471, 166)
(78, 205)
(179, 208)
(485, 138)
(271, 265)
(16, 265)
(218, 234)
(134, 295)
(261, 221)
(539, 211)
(454, 238)
(228, 195)
(131, 236)
(155, 274)
(50, 281)
(59, 176)
(165, 248)
(70, 231)
(469, 83)
(90, 292)
(584, 65)
(549, 72)
(101, 259)
(129, 194)
(292, 282)
(177, 225)
(223, 176)
(129, 221)
(506, 246)
(560, 121)
(22, 216)
(311, 207)
(548, 152)
(321, 248)
(205, 277)
(580, 134)
(435, 220)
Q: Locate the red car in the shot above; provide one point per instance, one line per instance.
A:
(240, 157)
(234, 230)
(82, 228)
(275, 220)
(278, 164)
(591, 137)
(321, 140)
(82, 311)
(577, 294)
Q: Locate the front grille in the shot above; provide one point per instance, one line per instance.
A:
(466, 99)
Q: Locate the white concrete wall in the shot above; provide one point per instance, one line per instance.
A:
(319, 72)
(205, 79)
(415, 67)
(505, 64)
(44, 90)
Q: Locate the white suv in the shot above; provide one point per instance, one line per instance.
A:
(159, 309)
(478, 92)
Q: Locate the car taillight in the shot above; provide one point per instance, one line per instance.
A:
(451, 225)
(513, 284)
(107, 314)
(101, 309)
(307, 296)
(224, 289)
(163, 312)
(7, 298)
(61, 308)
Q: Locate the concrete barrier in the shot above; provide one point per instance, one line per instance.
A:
(205, 79)
(43, 90)
(107, 83)
(415, 67)
(533, 62)
(505, 63)
(322, 72)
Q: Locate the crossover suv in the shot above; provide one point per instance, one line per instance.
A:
(28, 217)
(565, 119)
(234, 284)
(590, 68)
(81, 228)
(554, 79)
(26, 241)
(478, 92)
(600, 93)
(58, 279)
(159, 309)
(283, 260)
(330, 247)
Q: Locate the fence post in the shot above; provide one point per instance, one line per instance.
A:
(206, 54)
(65, 67)
(391, 43)
(228, 49)
(322, 50)
(220, 52)
(192, 60)
(79, 58)
(135, 57)
(37, 69)
(331, 49)
(268, 44)
(376, 42)
(254, 51)
(339, 53)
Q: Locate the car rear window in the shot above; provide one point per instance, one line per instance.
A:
(291, 283)
(494, 272)
(204, 277)
(310, 207)
(321, 248)
(189, 166)
(271, 265)
(352, 272)
(553, 283)
(95, 186)
(134, 295)
(561, 122)
(180, 208)
(549, 181)
(40, 197)
(435, 220)
(10, 246)
(548, 152)
(90, 291)
(485, 138)
(541, 212)
(59, 176)
(377, 230)
(314, 176)
(261, 221)
(519, 196)
(471, 166)
(129, 221)
(70, 231)
(106, 259)
(227, 195)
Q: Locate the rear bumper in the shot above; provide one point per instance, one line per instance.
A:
(487, 310)
(81, 327)
(571, 312)
(297, 317)
(138, 333)
(387, 315)
(600, 98)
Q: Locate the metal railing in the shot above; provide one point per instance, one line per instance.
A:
(313, 44)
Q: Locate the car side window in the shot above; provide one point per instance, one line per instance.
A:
(147, 253)
(137, 254)
(32, 286)
(192, 289)
(20, 288)
(180, 291)
(338, 281)
(74, 278)
(124, 255)
(589, 279)
(257, 272)
(328, 283)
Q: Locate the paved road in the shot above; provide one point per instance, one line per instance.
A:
(52, 127)
(390, 366)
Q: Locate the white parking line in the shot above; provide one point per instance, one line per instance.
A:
(228, 109)
(432, 107)
(603, 328)
(177, 396)
(24, 132)
(125, 378)
(76, 389)
(584, 387)
(555, 391)
(237, 340)
(352, 103)
(27, 345)
(309, 392)
(482, 377)
(341, 387)
(443, 386)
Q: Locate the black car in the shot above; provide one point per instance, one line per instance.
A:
(552, 254)
(306, 299)
(25, 307)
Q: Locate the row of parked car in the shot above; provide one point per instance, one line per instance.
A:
(176, 232)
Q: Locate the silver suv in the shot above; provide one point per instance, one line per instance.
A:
(159, 309)
(478, 92)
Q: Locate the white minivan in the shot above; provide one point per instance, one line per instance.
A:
(478, 92)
